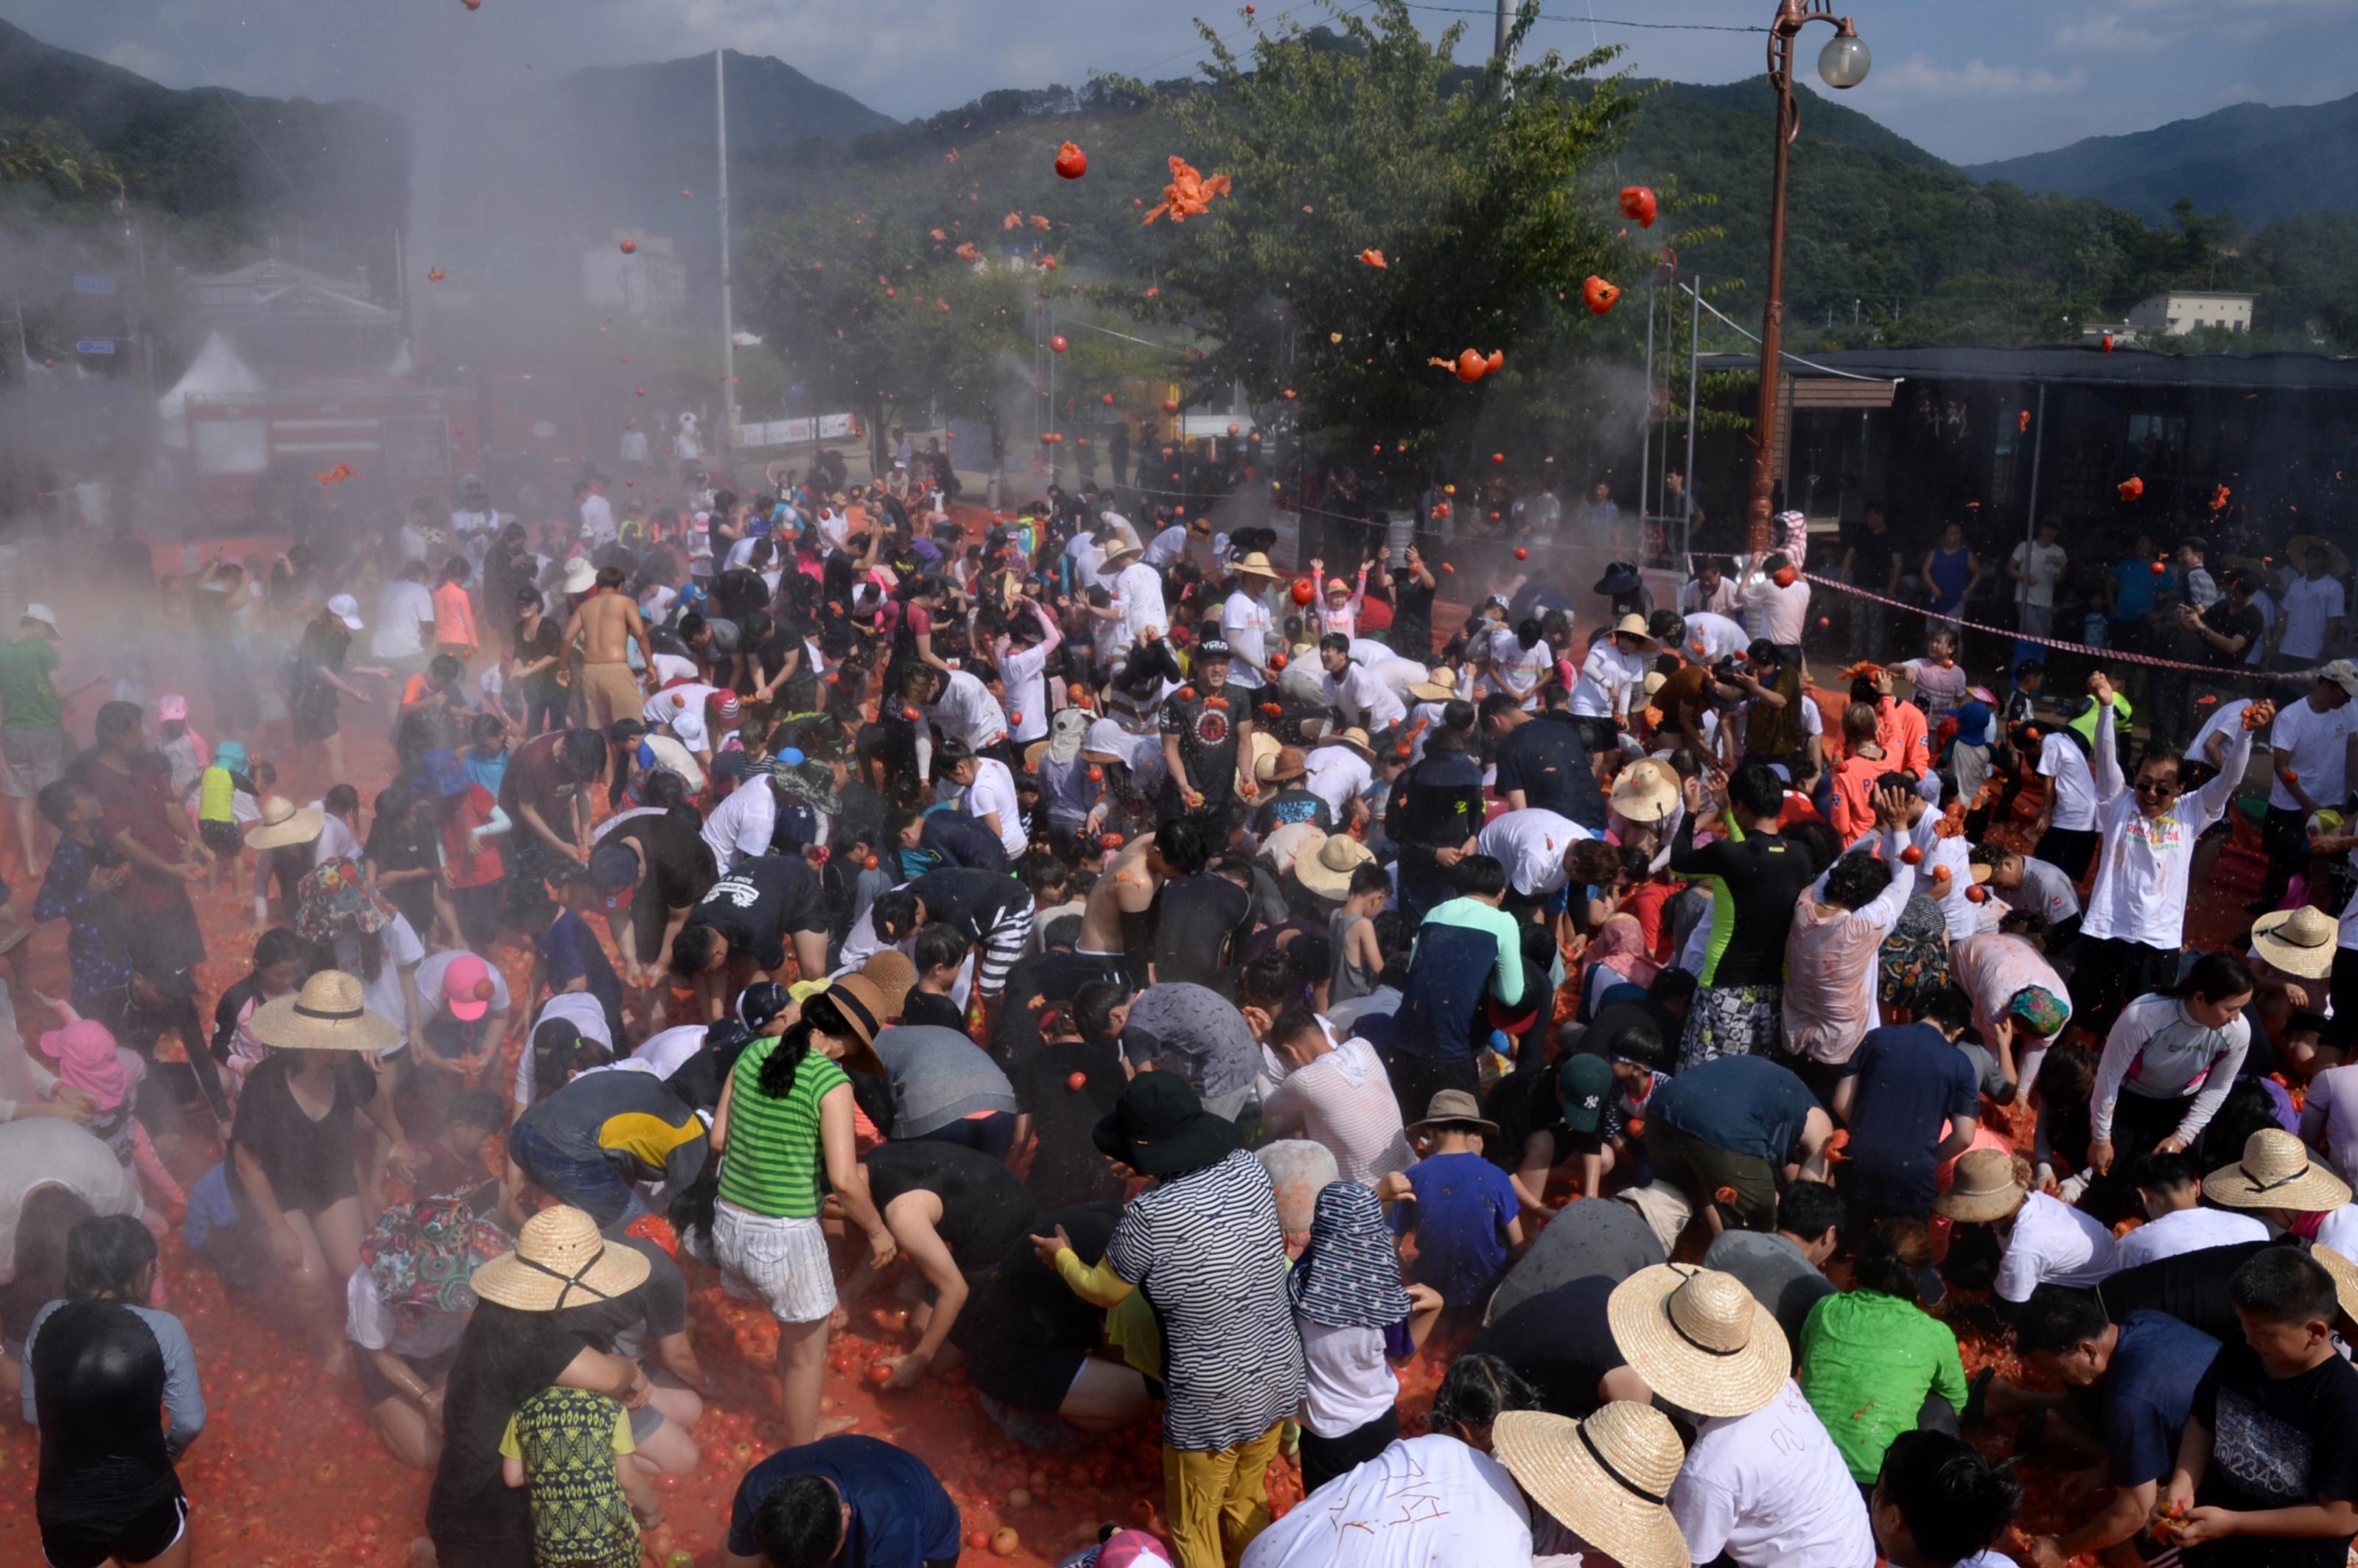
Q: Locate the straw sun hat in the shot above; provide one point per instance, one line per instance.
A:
(1325, 872)
(327, 1014)
(1647, 791)
(2297, 940)
(282, 822)
(561, 1261)
(1985, 1189)
(1606, 1479)
(2276, 1171)
(2345, 1278)
(1700, 1340)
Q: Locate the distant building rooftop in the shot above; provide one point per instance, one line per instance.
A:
(2089, 366)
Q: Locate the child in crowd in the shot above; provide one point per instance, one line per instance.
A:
(1461, 1209)
(227, 799)
(1938, 679)
(85, 874)
(939, 952)
(182, 747)
(89, 1059)
(572, 1449)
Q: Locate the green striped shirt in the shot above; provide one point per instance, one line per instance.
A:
(772, 1163)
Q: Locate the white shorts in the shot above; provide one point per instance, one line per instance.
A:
(782, 1263)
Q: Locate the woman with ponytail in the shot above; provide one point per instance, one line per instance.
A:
(787, 1106)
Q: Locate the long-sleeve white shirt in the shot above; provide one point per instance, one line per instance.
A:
(2157, 1050)
(2139, 894)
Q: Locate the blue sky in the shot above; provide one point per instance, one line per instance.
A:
(1970, 80)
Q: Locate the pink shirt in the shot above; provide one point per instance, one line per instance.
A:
(454, 616)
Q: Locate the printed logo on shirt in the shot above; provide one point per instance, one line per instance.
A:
(736, 891)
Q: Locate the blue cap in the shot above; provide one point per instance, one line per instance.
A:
(229, 754)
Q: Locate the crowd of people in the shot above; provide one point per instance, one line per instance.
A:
(1196, 988)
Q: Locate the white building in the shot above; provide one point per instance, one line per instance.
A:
(2180, 311)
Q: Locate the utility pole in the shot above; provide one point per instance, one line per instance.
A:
(728, 440)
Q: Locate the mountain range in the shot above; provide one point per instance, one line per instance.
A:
(2264, 163)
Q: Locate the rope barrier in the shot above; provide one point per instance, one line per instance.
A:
(2101, 655)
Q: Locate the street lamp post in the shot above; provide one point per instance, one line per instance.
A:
(1842, 64)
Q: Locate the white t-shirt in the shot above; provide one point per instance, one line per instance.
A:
(2050, 1242)
(2045, 892)
(967, 713)
(741, 826)
(1167, 547)
(1720, 638)
(1530, 844)
(337, 841)
(1246, 623)
(580, 1008)
(2041, 566)
(432, 972)
(1363, 698)
(2187, 1230)
(2060, 759)
(1693, 600)
(1349, 1382)
(2139, 893)
(1771, 1490)
(681, 709)
(2228, 720)
(2308, 606)
(1424, 1502)
(1516, 669)
(1023, 674)
(2317, 743)
(596, 520)
(404, 613)
(383, 996)
(1610, 680)
(1336, 774)
(994, 790)
(1138, 595)
(1779, 614)
(668, 1051)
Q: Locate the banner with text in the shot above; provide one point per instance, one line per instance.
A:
(787, 432)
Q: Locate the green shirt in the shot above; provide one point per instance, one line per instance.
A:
(569, 1440)
(1867, 1361)
(28, 701)
(772, 1163)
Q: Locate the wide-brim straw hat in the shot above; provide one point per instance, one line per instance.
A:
(328, 1013)
(1606, 1479)
(1439, 685)
(2276, 1171)
(283, 823)
(2297, 940)
(1325, 871)
(1646, 791)
(861, 1002)
(1265, 748)
(1700, 1340)
(1356, 738)
(1985, 1189)
(2296, 548)
(1634, 625)
(894, 975)
(561, 1261)
(2345, 1279)
(1121, 554)
(1257, 564)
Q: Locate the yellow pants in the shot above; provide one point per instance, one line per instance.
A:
(1218, 1502)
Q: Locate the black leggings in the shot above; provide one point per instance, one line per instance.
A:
(1323, 1458)
(179, 1014)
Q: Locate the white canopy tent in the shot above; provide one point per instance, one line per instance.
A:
(216, 372)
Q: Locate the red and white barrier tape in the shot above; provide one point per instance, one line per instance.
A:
(2102, 655)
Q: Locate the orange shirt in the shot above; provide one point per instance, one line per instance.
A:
(1853, 805)
(454, 617)
(1899, 730)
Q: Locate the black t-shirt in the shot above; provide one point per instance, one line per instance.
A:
(1024, 1307)
(547, 641)
(756, 905)
(1523, 1104)
(974, 902)
(932, 1008)
(2228, 622)
(676, 870)
(2278, 1442)
(1549, 764)
(1199, 922)
(1560, 1341)
(1066, 1167)
(1411, 611)
(98, 1381)
(2189, 1286)
(1208, 730)
(309, 1162)
(1875, 552)
(1765, 876)
(985, 1210)
(632, 1322)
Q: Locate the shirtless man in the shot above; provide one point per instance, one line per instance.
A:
(603, 630)
(1132, 877)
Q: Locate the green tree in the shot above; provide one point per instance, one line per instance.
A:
(1481, 189)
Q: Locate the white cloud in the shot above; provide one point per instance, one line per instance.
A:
(1918, 77)
(2108, 34)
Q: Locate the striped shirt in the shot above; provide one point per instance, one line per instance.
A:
(1206, 1247)
(770, 1165)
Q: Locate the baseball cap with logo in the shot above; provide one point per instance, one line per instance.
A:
(614, 873)
(1586, 1081)
(2343, 674)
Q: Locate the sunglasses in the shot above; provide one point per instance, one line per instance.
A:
(2156, 787)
